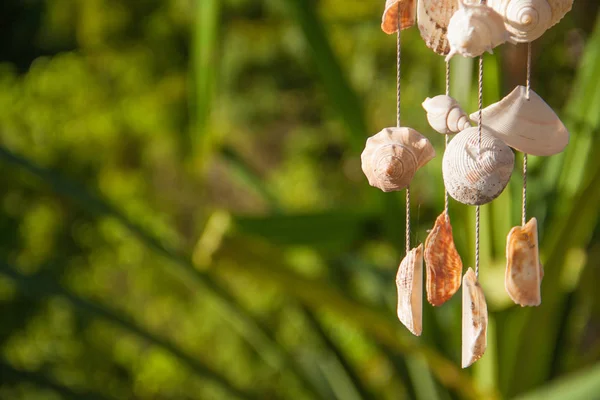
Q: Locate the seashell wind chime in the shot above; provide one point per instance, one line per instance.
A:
(477, 164)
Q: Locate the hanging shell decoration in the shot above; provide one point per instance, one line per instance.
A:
(445, 114)
(442, 261)
(391, 157)
(524, 272)
(407, 10)
(527, 20)
(433, 17)
(474, 320)
(530, 126)
(409, 282)
(474, 176)
(475, 29)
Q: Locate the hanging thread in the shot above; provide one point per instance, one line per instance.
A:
(528, 89)
(446, 137)
(479, 132)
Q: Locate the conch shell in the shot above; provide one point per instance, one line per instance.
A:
(445, 114)
(433, 17)
(473, 176)
(409, 282)
(391, 157)
(443, 263)
(530, 126)
(474, 320)
(475, 29)
(527, 20)
(407, 10)
(524, 272)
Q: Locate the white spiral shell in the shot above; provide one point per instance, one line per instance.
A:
(474, 176)
(391, 157)
(445, 114)
(408, 14)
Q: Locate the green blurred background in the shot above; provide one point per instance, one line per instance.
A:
(183, 214)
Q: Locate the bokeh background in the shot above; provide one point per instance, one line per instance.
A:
(183, 214)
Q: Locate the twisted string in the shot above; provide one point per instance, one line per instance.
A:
(479, 135)
(527, 91)
(446, 137)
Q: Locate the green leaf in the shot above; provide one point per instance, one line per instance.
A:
(582, 385)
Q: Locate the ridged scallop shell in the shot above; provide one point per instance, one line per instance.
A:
(409, 282)
(524, 272)
(530, 126)
(442, 261)
(476, 177)
(474, 320)
(527, 20)
(408, 13)
(475, 29)
(391, 157)
(445, 114)
(433, 17)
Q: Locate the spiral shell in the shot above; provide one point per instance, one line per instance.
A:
(475, 29)
(409, 283)
(527, 20)
(407, 10)
(474, 320)
(433, 17)
(474, 176)
(445, 114)
(391, 157)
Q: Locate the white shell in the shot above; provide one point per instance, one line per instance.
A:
(433, 17)
(530, 126)
(472, 176)
(475, 29)
(409, 282)
(391, 157)
(474, 320)
(408, 13)
(527, 20)
(445, 114)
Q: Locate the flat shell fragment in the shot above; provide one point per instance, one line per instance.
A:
(408, 13)
(433, 17)
(409, 282)
(474, 320)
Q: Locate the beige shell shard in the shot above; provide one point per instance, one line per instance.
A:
(474, 176)
(433, 17)
(527, 20)
(530, 126)
(475, 29)
(408, 13)
(409, 282)
(442, 262)
(391, 157)
(524, 271)
(474, 320)
(445, 114)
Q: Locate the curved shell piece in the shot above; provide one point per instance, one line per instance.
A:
(524, 272)
(408, 13)
(442, 261)
(409, 282)
(433, 17)
(445, 114)
(391, 157)
(530, 126)
(527, 20)
(475, 29)
(474, 320)
(474, 176)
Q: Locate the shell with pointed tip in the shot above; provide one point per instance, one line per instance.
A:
(442, 261)
(408, 13)
(474, 176)
(445, 114)
(475, 29)
(474, 320)
(409, 282)
(527, 20)
(530, 126)
(524, 272)
(391, 157)
(433, 17)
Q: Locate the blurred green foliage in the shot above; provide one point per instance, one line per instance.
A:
(183, 214)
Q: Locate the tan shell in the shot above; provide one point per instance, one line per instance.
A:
(474, 320)
(409, 282)
(475, 29)
(530, 126)
(445, 114)
(408, 13)
(524, 272)
(476, 177)
(391, 157)
(433, 17)
(443, 263)
(527, 20)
